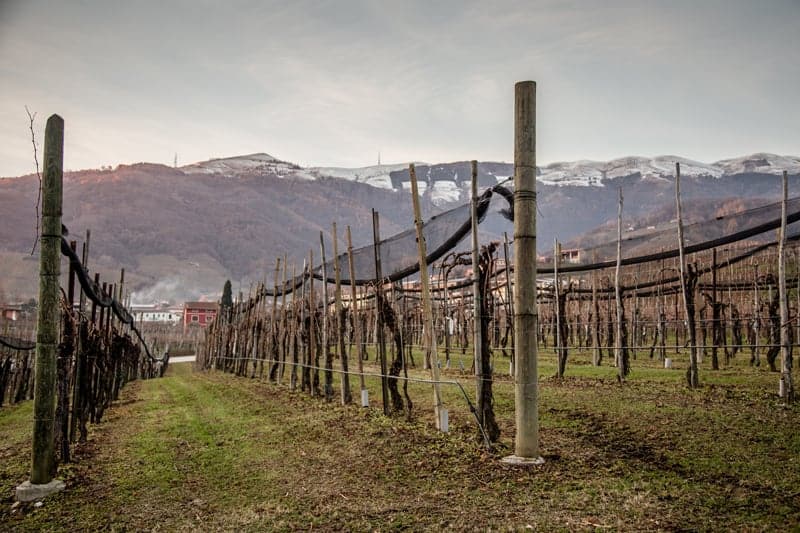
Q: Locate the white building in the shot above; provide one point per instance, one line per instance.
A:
(156, 313)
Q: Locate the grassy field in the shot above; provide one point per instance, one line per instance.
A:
(210, 451)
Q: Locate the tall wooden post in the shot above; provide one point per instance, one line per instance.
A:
(716, 317)
(509, 302)
(376, 249)
(786, 387)
(274, 356)
(340, 323)
(43, 464)
(313, 353)
(692, 376)
(619, 348)
(477, 297)
(430, 334)
(526, 444)
(283, 328)
(356, 319)
(559, 345)
(597, 351)
(325, 348)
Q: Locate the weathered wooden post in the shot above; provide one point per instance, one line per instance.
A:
(559, 341)
(430, 335)
(340, 321)
(620, 354)
(381, 348)
(477, 297)
(687, 289)
(325, 348)
(526, 444)
(786, 386)
(273, 371)
(43, 465)
(509, 301)
(356, 321)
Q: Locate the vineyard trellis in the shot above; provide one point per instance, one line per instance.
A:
(85, 352)
(735, 306)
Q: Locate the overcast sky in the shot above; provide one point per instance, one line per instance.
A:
(334, 82)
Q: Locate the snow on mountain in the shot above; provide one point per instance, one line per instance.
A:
(444, 192)
(760, 163)
(447, 186)
(584, 173)
(253, 164)
(376, 175)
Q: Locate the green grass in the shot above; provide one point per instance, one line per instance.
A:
(211, 451)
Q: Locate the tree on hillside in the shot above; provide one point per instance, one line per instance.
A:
(227, 297)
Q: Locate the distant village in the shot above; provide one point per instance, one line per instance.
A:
(202, 313)
(189, 315)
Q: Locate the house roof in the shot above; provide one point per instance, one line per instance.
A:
(201, 305)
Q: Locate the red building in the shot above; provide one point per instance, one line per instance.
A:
(199, 313)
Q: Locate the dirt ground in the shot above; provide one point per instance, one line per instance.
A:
(211, 451)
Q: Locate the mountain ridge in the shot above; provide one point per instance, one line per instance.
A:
(184, 231)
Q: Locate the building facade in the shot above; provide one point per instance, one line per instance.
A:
(199, 313)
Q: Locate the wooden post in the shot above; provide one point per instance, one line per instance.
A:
(526, 445)
(619, 348)
(340, 323)
(509, 301)
(691, 376)
(354, 310)
(121, 289)
(295, 323)
(557, 306)
(273, 368)
(313, 353)
(43, 466)
(430, 334)
(786, 386)
(477, 340)
(715, 313)
(376, 241)
(284, 328)
(85, 262)
(325, 348)
(597, 351)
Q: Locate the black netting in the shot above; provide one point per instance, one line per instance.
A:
(656, 243)
(14, 343)
(97, 296)
(399, 254)
(443, 233)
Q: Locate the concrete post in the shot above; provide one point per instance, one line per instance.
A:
(526, 444)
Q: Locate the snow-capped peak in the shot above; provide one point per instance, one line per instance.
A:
(375, 175)
(253, 164)
(593, 172)
(761, 163)
(444, 185)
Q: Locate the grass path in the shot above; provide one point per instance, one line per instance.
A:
(210, 451)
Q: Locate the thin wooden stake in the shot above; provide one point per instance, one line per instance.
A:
(325, 348)
(430, 334)
(786, 384)
(477, 338)
(691, 375)
(354, 311)
(376, 241)
(340, 324)
(619, 348)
